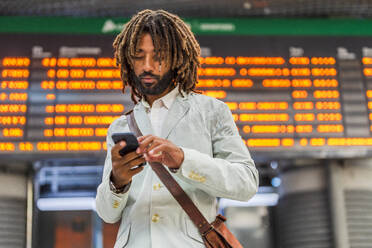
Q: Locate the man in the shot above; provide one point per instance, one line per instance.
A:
(192, 135)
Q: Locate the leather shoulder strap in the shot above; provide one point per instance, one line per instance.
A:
(174, 188)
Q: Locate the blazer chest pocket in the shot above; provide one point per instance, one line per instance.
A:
(122, 239)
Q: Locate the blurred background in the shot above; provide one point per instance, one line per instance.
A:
(296, 74)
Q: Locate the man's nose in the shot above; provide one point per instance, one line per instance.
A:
(148, 64)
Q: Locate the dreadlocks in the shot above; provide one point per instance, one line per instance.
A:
(171, 36)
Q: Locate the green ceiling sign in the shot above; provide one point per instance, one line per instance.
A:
(200, 26)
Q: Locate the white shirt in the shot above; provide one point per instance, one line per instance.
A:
(159, 109)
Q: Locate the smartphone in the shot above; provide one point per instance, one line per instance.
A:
(129, 138)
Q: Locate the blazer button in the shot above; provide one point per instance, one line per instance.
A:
(157, 186)
(192, 175)
(116, 204)
(155, 218)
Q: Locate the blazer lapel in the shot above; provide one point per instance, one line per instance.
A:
(178, 109)
(142, 119)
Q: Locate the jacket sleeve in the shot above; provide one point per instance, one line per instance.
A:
(109, 205)
(231, 172)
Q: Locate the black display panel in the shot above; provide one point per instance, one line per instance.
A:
(290, 96)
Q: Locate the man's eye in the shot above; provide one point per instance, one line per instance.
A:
(137, 57)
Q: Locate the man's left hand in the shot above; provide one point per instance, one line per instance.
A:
(160, 150)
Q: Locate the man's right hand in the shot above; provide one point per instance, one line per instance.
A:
(122, 171)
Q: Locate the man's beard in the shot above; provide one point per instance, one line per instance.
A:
(156, 88)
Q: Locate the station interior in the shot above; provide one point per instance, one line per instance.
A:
(296, 75)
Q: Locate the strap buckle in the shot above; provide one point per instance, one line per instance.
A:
(209, 230)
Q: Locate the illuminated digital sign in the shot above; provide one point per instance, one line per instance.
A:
(288, 95)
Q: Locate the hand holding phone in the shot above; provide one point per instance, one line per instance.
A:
(125, 161)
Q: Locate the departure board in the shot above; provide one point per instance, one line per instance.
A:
(290, 96)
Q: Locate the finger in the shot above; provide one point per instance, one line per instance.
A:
(158, 150)
(129, 157)
(120, 161)
(154, 158)
(154, 144)
(115, 149)
(124, 169)
(135, 171)
(142, 138)
(145, 143)
(135, 162)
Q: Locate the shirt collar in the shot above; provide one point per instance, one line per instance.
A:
(167, 100)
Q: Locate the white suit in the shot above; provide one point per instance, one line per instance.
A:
(216, 164)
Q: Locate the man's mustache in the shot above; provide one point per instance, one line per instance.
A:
(149, 74)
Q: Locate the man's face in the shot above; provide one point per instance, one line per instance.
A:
(151, 75)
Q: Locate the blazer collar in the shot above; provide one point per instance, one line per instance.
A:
(142, 119)
(178, 109)
(176, 112)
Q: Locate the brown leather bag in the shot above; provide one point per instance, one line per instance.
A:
(220, 235)
(215, 234)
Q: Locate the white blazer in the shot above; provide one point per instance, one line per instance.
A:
(216, 164)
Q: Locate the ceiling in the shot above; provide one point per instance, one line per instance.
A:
(189, 8)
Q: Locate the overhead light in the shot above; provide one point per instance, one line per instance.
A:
(265, 199)
(276, 181)
(247, 5)
(267, 11)
(66, 204)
